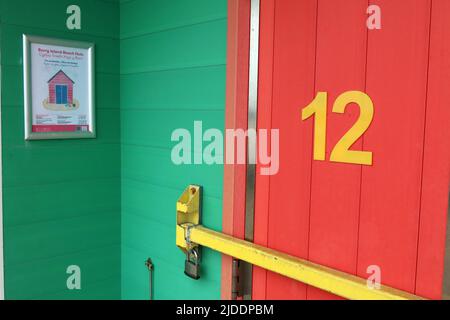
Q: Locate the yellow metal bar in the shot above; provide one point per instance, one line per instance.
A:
(190, 234)
(333, 281)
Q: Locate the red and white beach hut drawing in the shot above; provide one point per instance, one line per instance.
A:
(60, 89)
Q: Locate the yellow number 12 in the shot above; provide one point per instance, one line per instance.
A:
(341, 152)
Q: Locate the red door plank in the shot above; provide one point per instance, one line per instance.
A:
(287, 223)
(265, 85)
(436, 169)
(335, 189)
(392, 214)
(390, 197)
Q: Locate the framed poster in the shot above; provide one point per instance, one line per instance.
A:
(58, 89)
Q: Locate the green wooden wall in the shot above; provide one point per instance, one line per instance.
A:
(61, 198)
(172, 65)
(108, 204)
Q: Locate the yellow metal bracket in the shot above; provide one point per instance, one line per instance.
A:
(190, 234)
(188, 215)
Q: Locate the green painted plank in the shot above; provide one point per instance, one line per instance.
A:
(160, 240)
(140, 17)
(195, 89)
(135, 229)
(166, 277)
(92, 197)
(136, 124)
(27, 243)
(106, 49)
(138, 197)
(61, 198)
(12, 86)
(98, 17)
(42, 278)
(107, 91)
(105, 290)
(192, 46)
(155, 166)
(136, 235)
(173, 56)
(59, 163)
(108, 129)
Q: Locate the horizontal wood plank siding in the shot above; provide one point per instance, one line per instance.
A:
(173, 61)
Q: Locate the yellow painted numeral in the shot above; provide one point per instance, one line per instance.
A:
(341, 152)
(318, 109)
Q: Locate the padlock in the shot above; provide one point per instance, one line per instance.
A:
(192, 264)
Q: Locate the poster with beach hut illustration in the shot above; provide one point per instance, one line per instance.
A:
(60, 93)
(61, 89)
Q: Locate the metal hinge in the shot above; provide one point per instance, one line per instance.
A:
(235, 284)
(241, 284)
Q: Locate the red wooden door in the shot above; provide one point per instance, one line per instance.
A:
(391, 214)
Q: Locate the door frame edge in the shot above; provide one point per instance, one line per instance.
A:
(236, 117)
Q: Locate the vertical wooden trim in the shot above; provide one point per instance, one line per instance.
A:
(238, 42)
(335, 188)
(390, 193)
(436, 162)
(265, 97)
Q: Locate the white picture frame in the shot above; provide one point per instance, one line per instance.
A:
(59, 88)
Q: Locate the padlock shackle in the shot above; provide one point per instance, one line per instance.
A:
(195, 253)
